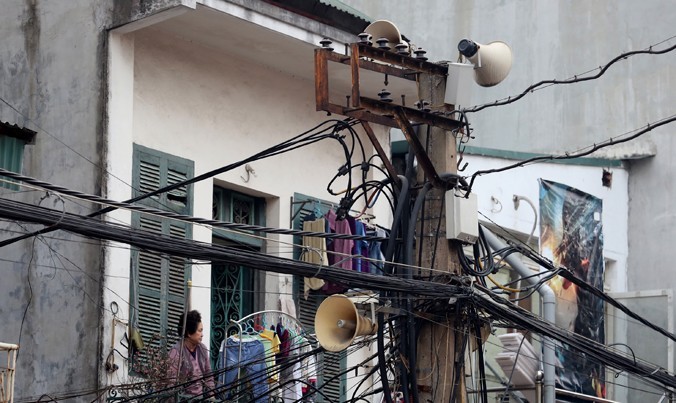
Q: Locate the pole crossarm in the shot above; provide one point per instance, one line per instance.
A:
(364, 57)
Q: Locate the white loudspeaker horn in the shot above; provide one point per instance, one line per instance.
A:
(492, 62)
(337, 323)
(385, 29)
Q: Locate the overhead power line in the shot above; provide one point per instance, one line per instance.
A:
(610, 142)
(191, 249)
(305, 138)
(181, 217)
(218, 253)
(506, 310)
(575, 78)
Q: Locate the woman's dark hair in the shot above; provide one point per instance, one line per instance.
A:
(193, 318)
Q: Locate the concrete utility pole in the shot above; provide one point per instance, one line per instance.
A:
(437, 341)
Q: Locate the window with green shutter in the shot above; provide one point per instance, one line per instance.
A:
(331, 379)
(158, 282)
(12, 142)
(233, 287)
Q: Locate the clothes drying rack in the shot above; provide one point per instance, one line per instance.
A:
(247, 326)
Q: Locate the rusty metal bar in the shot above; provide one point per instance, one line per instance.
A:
(406, 62)
(416, 115)
(361, 114)
(381, 153)
(369, 109)
(406, 74)
(418, 149)
(385, 114)
(354, 64)
(321, 79)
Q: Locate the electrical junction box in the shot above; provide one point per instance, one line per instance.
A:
(459, 84)
(462, 217)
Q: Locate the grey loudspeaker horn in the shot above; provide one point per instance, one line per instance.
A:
(492, 62)
(338, 323)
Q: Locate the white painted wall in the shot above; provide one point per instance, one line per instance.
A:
(524, 182)
(193, 101)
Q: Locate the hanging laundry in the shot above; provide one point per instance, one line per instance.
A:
(314, 251)
(243, 356)
(376, 256)
(342, 248)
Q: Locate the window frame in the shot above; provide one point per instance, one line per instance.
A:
(335, 362)
(13, 141)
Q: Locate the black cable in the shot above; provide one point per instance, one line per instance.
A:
(381, 358)
(172, 215)
(30, 295)
(649, 127)
(189, 249)
(482, 368)
(575, 79)
(422, 208)
(568, 275)
(506, 310)
(508, 384)
(408, 260)
(274, 150)
(394, 232)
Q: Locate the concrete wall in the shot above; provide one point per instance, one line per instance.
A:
(557, 41)
(53, 79)
(52, 60)
(552, 41)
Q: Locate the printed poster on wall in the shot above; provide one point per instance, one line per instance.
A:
(571, 236)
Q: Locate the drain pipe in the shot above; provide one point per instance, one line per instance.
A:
(548, 313)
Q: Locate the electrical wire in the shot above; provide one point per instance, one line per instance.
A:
(182, 217)
(30, 294)
(506, 310)
(300, 140)
(588, 150)
(576, 78)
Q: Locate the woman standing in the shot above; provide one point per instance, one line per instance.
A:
(189, 359)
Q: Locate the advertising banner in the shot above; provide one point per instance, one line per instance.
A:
(571, 236)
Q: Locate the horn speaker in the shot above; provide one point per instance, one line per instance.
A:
(384, 29)
(492, 62)
(338, 323)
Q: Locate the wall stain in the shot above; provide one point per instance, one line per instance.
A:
(30, 26)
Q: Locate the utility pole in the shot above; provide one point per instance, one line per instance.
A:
(440, 339)
(435, 358)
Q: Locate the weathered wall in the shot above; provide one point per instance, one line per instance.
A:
(558, 40)
(53, 65)
(51, 69)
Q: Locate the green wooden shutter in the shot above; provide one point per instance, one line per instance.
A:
(330, 364)
(158, 282)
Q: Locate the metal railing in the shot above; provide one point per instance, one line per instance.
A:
(7, 372)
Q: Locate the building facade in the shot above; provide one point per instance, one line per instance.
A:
(128, 97)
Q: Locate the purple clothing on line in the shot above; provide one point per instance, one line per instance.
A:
(342, 247)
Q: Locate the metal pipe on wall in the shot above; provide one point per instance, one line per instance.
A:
(548, 314)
